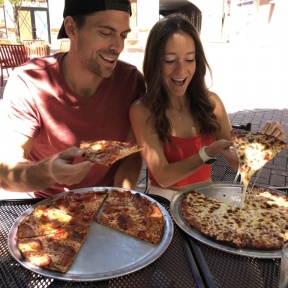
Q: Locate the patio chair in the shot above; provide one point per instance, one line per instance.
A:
(220, 170)
(36, 48)
(11, 56)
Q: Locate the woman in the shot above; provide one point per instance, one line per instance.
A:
(179, 122)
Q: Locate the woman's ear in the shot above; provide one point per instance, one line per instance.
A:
(70, 26)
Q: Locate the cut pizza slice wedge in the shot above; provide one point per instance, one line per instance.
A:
(54, 251)
(253, 151)
(47, 220)
(106, 152)
(51, 236)
(80, 204)
(133, 214)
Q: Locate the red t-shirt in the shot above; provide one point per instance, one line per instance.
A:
(181, 148)
(42, 106)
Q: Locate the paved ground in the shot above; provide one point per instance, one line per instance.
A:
(252, 82)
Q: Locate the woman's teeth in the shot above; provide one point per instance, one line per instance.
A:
(178, 82)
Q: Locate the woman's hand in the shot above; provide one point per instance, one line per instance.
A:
(218, 147)
(224, 148)
(274, 128)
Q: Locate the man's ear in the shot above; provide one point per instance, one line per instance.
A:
(70, 26)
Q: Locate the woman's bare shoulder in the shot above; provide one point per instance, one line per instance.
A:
(213, 96)
(139, 105)
(139, 108)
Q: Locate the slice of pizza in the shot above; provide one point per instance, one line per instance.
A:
(266, 216)
(106, 152)
(53, 252)
(51, 236)
(76, 204)
(46, 220)
(133, 214)
(253, 151)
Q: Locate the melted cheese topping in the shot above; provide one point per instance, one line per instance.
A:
(53, 214)
(251, 159)
(254, 150)
(97, 147)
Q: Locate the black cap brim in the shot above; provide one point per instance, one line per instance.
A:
(62, 32)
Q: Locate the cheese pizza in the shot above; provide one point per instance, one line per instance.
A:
(253, 151)
(261, 224)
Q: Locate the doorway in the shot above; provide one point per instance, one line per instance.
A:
(34, 24)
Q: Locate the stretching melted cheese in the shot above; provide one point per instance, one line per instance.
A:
(253, 151)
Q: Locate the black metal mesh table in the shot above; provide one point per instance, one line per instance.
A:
(175, 268)
(226, 270)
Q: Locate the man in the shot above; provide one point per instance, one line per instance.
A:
(52, 104)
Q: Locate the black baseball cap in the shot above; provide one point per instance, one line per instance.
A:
(81, 7)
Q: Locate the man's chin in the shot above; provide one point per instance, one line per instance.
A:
(106, 74)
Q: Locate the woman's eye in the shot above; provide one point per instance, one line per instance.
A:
(190, 60)
(169, 61)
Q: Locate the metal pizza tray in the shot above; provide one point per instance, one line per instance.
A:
(226, 192)
(106, 253)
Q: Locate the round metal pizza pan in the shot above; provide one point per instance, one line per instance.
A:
(226, 192)
(106, 253)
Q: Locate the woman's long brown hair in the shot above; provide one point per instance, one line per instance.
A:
(197, 92)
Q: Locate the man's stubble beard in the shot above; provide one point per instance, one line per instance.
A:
(92, 64)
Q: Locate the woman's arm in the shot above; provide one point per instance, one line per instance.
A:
(166, 174)
(129, 168)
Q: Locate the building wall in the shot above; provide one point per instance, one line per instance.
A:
(212, 13)
(263, 24)
(56, 8)
(253, 21)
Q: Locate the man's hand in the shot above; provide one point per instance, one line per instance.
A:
(274, 128)
(62, 170)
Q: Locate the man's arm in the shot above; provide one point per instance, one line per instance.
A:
(19, 174)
